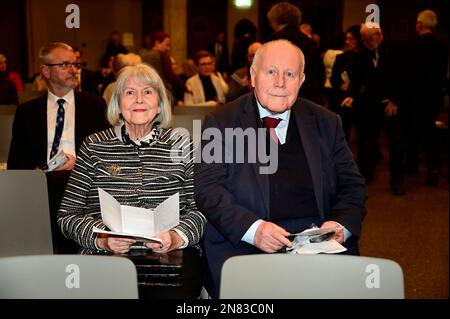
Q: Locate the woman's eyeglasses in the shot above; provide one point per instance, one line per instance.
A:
(66, 65)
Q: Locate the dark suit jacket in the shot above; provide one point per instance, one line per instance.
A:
(90, 81)
(314, 70)
(223, 62)
(8, 92)
(29, 140)
(234, 196)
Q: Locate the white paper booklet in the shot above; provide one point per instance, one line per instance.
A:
(327, 247)
(141, 223)
(315, 241)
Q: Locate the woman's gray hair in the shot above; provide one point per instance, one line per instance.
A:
(146, 75)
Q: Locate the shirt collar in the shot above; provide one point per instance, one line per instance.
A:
(263, 112)
(52, 98)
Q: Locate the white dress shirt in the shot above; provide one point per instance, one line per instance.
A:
(67, 143)
(281, 131)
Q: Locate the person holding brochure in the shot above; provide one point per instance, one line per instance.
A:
(140, 161)
(48, 131)
(251, 210)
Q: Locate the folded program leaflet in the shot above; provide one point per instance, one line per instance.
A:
(137, 222)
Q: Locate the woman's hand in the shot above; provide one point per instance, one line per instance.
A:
(117, 245)
(170, 241)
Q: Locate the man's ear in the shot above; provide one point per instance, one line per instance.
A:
(45, 71)
(252, 76)
(302, 78)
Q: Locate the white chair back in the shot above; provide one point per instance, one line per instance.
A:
(285, 276)
(25, 227)
(67, 277)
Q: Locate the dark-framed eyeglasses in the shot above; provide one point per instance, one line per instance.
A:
(206, 63)
(66, 65)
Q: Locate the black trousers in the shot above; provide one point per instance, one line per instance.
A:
(368, 123)
(396, 132)
(421, 126)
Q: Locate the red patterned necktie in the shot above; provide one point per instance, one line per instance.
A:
(271, 123)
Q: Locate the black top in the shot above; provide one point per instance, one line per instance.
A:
(208, 88)
(8, 92)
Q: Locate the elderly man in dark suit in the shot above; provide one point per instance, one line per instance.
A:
(57, 121)
(427, 79)
(316, 180)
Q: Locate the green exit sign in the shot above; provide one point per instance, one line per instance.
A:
(243, 4)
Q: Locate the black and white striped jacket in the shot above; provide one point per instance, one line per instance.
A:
(141, 176)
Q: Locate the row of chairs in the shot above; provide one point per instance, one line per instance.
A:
(28, 270)
(278, 276)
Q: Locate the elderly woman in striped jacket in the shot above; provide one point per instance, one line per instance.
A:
(140, 161)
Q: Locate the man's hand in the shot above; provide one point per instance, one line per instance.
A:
(118, 245)
(68, 166)
(391, 108)
(211, 103)
(347, 102)
(339, 236)
(270, 238)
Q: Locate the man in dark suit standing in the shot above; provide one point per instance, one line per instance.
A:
(285, 19)
(316, 180)
(429, 59)
(57, 121)
(381, 97)
(219, 50)
(88, 81)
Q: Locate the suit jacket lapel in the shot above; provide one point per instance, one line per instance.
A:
(306, 123)
(249, 119)
(78, 122)
(42, 129)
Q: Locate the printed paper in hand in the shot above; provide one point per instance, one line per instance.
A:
(142, 223)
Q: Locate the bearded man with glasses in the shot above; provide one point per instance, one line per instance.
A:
(58, 121)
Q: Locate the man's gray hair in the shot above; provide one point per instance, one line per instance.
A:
(428, 18)
(258, 53)
(146, 75)
(46, 52)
